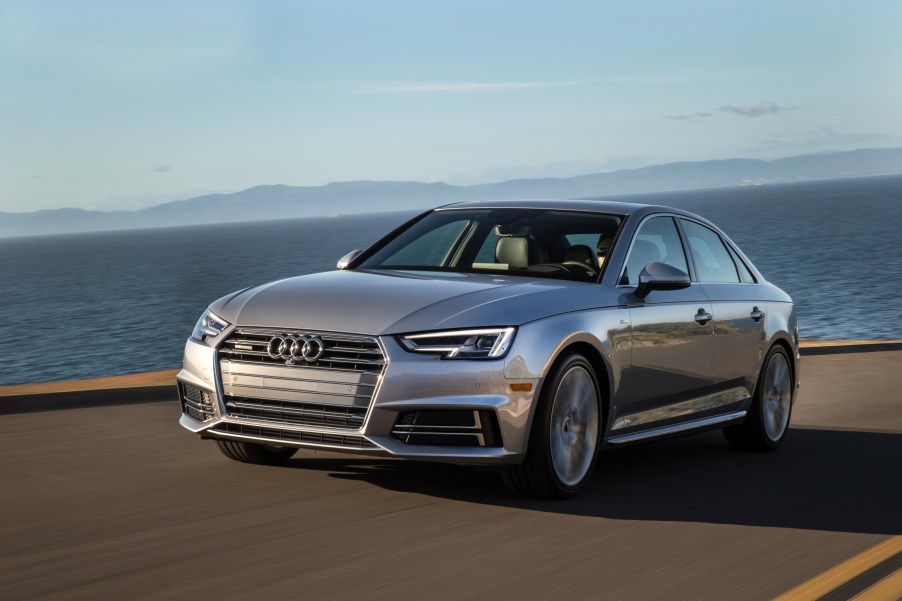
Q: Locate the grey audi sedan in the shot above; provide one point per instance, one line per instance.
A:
(526, 335)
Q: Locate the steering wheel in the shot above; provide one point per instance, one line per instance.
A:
(566, 266)
(587, 268)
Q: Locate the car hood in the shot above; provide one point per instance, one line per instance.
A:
(392, 302)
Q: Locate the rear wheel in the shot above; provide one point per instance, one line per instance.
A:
(251, 452)
(564, 440)
(765, 427)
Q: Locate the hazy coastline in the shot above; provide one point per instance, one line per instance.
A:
(267, 202)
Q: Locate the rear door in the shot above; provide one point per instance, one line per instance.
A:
(738, 323)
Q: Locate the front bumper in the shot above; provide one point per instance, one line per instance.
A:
(409, 383)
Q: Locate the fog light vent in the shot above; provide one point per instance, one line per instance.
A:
(196, 402)
(448, 427)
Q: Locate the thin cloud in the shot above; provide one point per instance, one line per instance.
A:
(762, 108)
(38, 178)
(824, 136)
(653, 78)
(690, 116)
(464, 87)
(162, 168)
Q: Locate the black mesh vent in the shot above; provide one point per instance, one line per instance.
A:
(196, 402)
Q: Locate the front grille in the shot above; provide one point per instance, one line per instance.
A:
(340, 351)
(334, 391)
(335, 440)
(305, 414)
(196, 402)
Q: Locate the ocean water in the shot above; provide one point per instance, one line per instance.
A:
(89, 305)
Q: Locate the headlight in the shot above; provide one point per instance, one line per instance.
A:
(209, 325)
(484, 343)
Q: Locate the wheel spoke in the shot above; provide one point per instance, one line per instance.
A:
(574, 426)
(776, 397)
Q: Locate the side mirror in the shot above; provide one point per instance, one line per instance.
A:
(661, 276)
(346, 260)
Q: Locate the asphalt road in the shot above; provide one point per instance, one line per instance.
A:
(121, 503)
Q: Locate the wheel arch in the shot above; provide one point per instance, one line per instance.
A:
(600, 366)
(786, 345)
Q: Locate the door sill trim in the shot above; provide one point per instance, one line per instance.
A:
(676, 428)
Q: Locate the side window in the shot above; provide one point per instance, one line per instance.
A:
(486, 252)
(656, 240)
(745, 276)
(590, 240)
(431, 249)
(712, 260)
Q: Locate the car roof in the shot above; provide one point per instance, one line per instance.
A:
(592, 206)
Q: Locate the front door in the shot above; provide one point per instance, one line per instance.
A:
(672, 336)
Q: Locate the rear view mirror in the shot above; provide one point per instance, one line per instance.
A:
(346, 260)
(661, 276)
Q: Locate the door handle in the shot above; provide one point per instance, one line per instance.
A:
(703, 317)
(756, 314)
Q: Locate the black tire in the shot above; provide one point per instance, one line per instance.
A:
(260, 454)
(538, 475)
(760, 431)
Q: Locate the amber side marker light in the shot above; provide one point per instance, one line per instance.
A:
(521, 387)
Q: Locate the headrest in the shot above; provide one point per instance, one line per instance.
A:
(519, 229)
(580, 253)
(513, 250)
(604, 245)
(644, 252)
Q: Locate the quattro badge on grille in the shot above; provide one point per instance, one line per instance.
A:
(295, 348)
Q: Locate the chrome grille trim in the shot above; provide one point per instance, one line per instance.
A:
(341, 351)
(337, 441)
(334, 392)
(302, 414)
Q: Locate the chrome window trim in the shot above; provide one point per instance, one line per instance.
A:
(633, 241)
(722, 239)
(731, 246)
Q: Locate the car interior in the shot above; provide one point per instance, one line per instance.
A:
(543, 243)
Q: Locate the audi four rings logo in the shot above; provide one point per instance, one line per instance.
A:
(295, 348)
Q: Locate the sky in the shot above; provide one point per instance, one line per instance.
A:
(122, 105)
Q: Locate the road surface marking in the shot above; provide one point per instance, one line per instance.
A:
(888, 589)
(838, 575)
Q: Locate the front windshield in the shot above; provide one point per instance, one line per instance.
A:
(532, 242)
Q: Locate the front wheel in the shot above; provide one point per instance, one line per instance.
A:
(765, 427)
(566, 431)
(250, 452)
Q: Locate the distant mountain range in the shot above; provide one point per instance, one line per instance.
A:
(284, 202)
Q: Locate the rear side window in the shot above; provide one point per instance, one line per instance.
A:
(712, 259)
(745, 276)
(656, 241)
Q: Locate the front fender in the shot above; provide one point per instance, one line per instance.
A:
(539, 344)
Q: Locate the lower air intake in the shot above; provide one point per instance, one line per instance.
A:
(280, 435)
(449, 428)
(196, 402)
